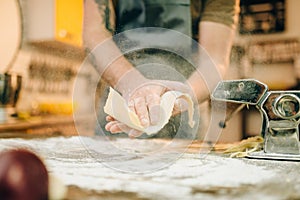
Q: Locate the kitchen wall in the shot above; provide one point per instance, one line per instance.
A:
(271, 74)
(48, 67)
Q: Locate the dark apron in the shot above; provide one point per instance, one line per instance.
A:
(168, 14)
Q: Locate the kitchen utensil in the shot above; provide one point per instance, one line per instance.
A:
(280, 111)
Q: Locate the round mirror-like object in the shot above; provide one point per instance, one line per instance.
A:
(287, 106)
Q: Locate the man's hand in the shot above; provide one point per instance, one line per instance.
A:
(115, 126)
(145, 102)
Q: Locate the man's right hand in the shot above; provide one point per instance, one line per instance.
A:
(145, 102)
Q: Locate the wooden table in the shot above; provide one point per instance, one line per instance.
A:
(120, 168)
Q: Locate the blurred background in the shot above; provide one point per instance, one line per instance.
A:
(41, 47)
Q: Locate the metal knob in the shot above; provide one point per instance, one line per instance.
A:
(287, 106)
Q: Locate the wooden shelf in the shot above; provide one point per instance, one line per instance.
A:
(43, 125)
(60, 49)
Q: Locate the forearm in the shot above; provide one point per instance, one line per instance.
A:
(103, 52)
(216, 39)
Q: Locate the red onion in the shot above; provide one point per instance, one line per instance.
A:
(23, 176)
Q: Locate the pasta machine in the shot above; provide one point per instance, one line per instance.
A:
(280, 112)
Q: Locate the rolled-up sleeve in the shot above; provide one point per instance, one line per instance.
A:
(221, 11)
